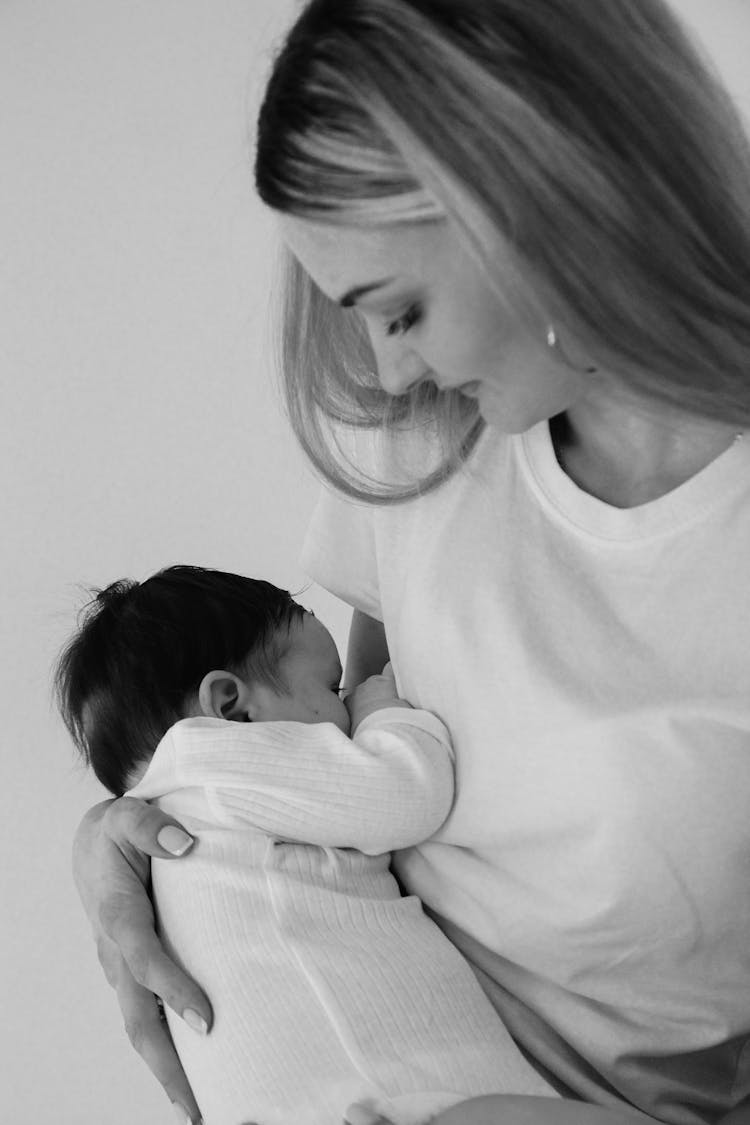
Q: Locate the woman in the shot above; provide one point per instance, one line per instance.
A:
(532, 221)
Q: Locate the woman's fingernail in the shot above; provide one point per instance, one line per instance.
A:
(195, 1020)
(174, 840)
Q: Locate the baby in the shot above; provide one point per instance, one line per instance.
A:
(217, 697)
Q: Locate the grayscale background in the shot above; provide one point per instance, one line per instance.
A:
(139, 427)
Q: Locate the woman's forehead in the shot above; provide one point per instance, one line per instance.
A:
(341, 259)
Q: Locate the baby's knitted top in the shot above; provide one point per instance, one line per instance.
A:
(328, 986)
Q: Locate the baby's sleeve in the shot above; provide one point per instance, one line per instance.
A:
(389, 787)
(349, 542)
(419, 781)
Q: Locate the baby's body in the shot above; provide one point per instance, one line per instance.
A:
(328, 987)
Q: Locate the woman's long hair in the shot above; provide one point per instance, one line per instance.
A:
(590, 144)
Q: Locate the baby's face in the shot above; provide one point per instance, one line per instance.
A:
(311, 670)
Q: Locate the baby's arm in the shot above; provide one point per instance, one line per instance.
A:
(388, 787)
(376, 693)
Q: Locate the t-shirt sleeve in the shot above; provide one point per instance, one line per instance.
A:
(342, 551)
(339, 551)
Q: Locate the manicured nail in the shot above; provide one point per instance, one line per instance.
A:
(181, 1114)
(195, 1020)
(174, 840)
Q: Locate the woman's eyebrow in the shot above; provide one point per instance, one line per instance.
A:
(353, 295)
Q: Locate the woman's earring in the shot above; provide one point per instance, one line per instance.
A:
(554, 344)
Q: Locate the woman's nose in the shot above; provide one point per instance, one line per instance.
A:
(399, 368)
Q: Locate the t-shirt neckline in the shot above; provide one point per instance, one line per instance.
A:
(723, 478)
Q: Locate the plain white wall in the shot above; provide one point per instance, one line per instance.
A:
(139, 428)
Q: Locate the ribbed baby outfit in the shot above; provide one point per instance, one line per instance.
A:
(328, 986)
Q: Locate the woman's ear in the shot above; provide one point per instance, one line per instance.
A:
(223, 695)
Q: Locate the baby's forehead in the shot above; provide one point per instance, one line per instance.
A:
(309, 641)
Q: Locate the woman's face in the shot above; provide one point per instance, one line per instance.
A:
(432, 314)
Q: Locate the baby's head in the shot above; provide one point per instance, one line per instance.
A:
(187, 642)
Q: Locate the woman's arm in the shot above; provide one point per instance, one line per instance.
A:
(367, 651)
(111, 868)
(511, 1109)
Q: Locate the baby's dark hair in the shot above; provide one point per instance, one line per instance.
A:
(142, 649)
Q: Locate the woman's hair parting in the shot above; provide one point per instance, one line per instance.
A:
(590, 146)
(142, 649)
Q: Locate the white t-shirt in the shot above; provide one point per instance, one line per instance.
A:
(593, 667)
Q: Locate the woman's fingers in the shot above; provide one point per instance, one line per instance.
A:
(149, 1035)
(154, 971)
(115, 836)
(133, 824)
(109, 958)
(111, 862)
(126, 918)
(114, 870)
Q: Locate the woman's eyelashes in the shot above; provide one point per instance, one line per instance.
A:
(402, 324)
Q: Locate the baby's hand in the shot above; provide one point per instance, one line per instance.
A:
(375, 694)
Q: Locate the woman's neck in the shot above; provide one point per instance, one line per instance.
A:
(627, 451)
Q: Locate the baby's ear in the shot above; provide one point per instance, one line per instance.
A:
(223, 695)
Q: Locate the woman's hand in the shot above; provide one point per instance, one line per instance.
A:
(111, 867)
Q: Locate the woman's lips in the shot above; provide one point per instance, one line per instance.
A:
(470, 389)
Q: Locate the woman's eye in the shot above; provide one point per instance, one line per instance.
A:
(402, 325)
